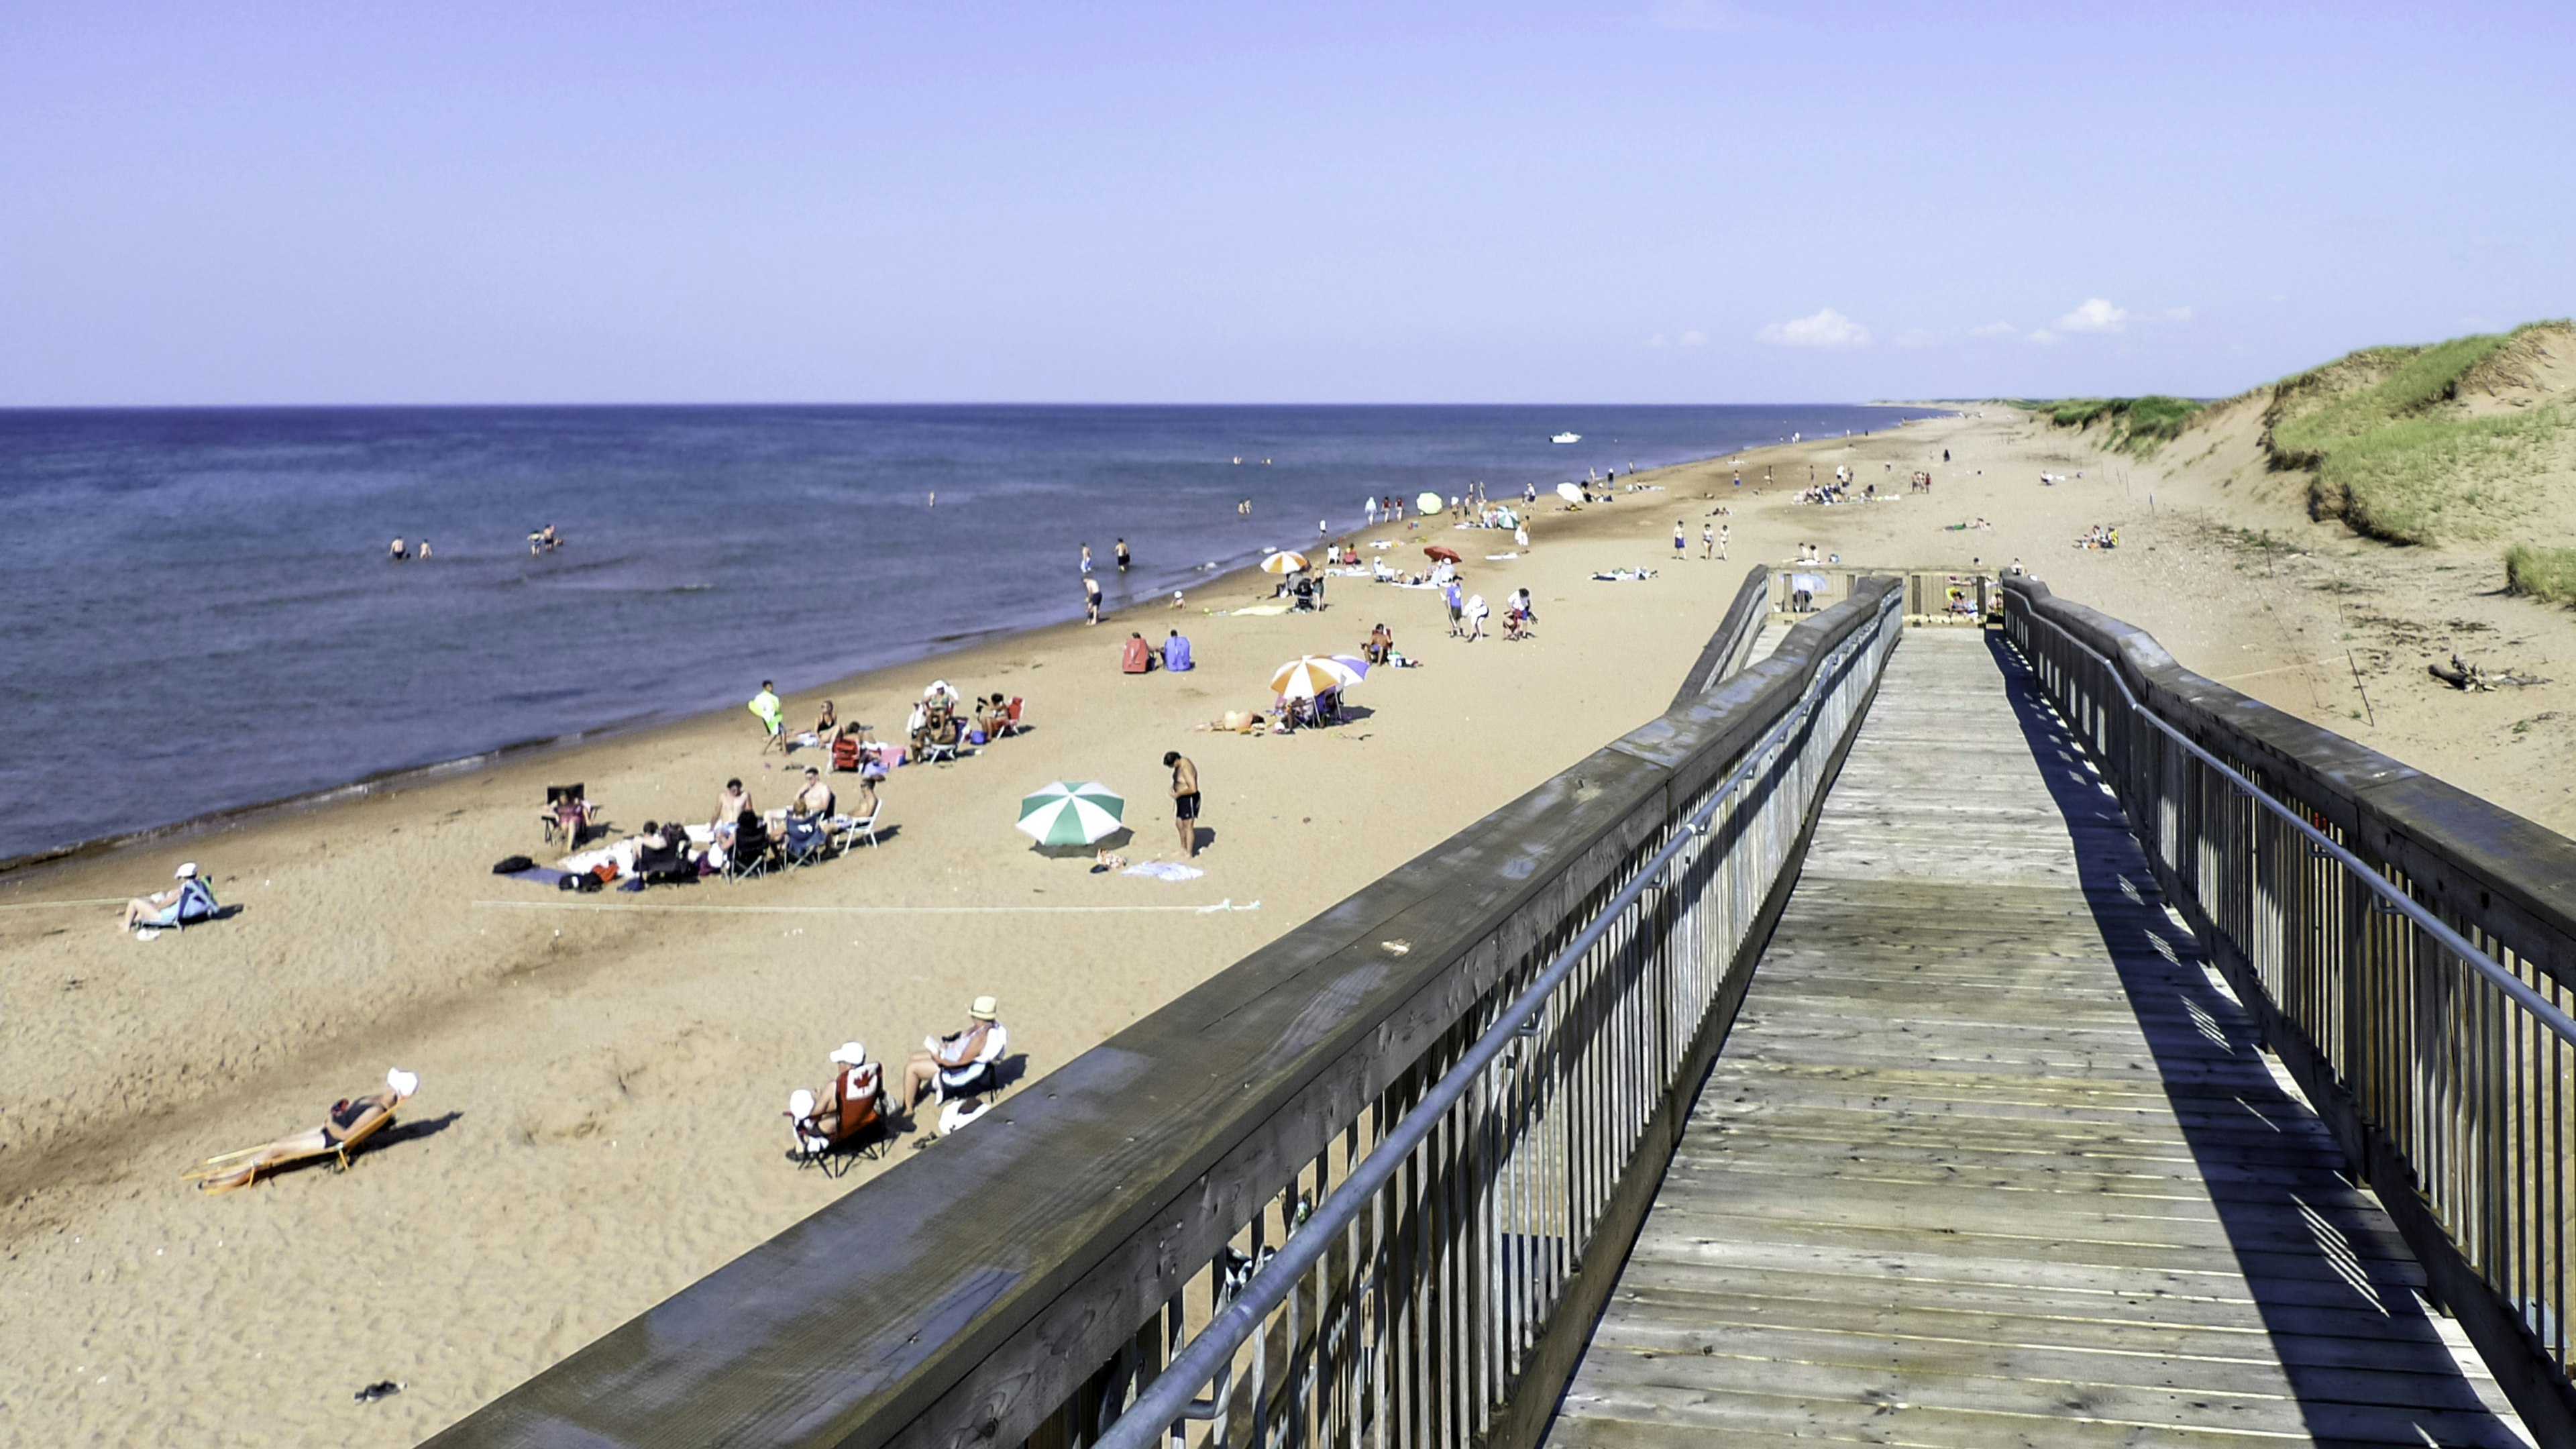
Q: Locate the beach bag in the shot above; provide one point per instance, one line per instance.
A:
(513, 864)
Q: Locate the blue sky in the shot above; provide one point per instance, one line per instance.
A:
(1667, 201)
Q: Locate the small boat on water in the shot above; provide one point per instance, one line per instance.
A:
(1567, 438)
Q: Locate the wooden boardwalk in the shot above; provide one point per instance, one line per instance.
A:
(1991, 1160)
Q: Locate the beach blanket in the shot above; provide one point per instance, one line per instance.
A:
(1164, 870)
(1624, 576)
(541, 875)
(1261, 609)
(1499, 557)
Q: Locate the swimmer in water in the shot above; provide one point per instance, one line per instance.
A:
(395, 550)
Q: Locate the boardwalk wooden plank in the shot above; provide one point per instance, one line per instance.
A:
(1991, 1159)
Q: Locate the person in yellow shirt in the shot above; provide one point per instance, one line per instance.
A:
(772, 716)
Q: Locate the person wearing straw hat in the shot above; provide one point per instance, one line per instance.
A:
(960, 1064)
(186, 903)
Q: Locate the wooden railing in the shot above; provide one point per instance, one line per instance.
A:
(2409, 948)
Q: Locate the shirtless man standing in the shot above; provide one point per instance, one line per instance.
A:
(1185, 801)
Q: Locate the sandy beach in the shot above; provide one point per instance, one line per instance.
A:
(603, 1075)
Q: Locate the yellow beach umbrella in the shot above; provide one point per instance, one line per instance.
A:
(1285, 561)
(1429, 503)
(1310, 676)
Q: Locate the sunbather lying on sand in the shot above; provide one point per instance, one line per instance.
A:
(1236, 721)
(348, 1123)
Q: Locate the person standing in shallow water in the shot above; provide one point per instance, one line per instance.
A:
(1091, 597)
(1122, 556)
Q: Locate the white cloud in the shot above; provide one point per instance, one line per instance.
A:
(2042, 336)
(1994, 329)
(1694, 338)
(2177, 314)
(1915, 337)
(2096, 315)
(1827, 328)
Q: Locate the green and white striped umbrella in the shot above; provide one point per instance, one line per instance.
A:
(1066, 813)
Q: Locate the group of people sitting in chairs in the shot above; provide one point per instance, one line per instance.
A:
(739, 839)
(960, 1073)
(942, 726)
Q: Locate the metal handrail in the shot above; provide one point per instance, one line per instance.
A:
(1169, 1399)
(2559, 1022)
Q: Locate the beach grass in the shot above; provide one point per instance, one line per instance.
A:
(2392, 459)
(2541, 573)
(2137, 425)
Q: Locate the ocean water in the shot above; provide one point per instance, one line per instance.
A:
(201, 615)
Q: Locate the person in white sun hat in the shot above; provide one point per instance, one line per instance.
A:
(184, 904)
(853, 1103)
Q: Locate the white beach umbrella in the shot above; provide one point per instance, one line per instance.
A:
(1285, 561)
(1310, 676)
(1430, 503)
(1571, 493)
(1067, 813)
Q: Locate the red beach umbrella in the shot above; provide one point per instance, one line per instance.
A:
(1437, 550)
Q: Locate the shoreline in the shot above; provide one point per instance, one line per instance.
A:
(16, 870)
(583, 1060)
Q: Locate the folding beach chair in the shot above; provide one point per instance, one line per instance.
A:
(226, 1164)
(849, 830)
(808, 839)
(753, 847)
(194, 907)
(566, 814)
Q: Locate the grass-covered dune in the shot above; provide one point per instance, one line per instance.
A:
(2129, 424)
(2401, 448)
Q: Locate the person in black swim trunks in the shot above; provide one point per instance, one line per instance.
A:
(1185, 800)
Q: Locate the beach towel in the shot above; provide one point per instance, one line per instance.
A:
(539, 874)
(1164, 870)
(1499, 557)
(1261, 609)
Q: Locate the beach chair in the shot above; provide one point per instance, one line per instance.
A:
(566, 814)
(669, 865)
(808, 839)
(822, 1136)
(845, 754)
(194, 907)
(1011, 722)
(229, 1163)
(752, 851)
(849, 830)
